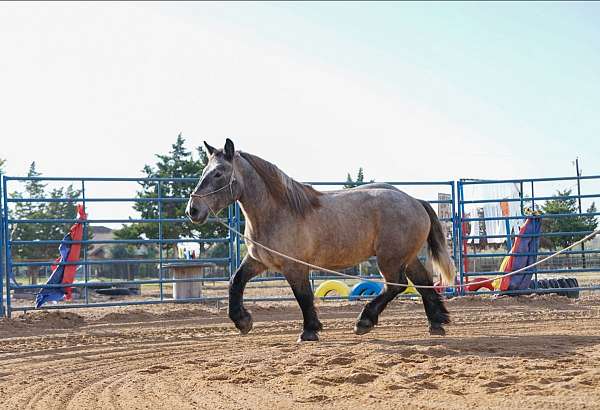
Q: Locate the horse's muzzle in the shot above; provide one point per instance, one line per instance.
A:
(196, 215)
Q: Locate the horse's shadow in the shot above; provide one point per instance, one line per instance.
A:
(523, 346)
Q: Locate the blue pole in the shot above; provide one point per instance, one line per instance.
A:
(454, 223)
(238, 239)
(85, 248)
(461, 210)
(160, 243)
(1, 253)
(231, 238)
(7, 257)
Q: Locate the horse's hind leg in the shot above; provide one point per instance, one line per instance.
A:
(237, 313)
(369, 316)
(303, 292)
(437, 314)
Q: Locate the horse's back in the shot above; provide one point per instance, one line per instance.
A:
(355, 223)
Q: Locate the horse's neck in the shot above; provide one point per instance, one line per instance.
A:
(259, 208)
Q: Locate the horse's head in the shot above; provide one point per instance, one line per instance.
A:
(218, 186)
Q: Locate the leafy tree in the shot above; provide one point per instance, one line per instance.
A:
(360, 177)
(177, 163)
(125, 271)
(42, 210)
(35, 189)
(561, 205)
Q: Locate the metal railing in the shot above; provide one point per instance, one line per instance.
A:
(482, 253)
(469, 201)
(156, 274)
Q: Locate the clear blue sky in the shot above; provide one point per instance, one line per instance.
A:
(409, 91)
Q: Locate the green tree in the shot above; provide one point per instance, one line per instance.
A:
(32, 210)
(561, 204)
(125, 271)
(28, 210)
(360, 178)
(177, 163)
(35, 189)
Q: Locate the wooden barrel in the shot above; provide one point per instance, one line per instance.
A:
(187, 270)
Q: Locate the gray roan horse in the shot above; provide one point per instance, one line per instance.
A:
(335, 230)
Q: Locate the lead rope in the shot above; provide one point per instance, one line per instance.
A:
(345, 275)
(320, 268)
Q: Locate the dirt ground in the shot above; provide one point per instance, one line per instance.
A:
(519, 353)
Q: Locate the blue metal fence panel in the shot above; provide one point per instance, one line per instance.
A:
(584, 259)
(483, 261)
(86, 282)
(7, 260)
(2, 309)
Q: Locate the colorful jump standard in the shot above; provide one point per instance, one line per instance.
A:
(64, 274)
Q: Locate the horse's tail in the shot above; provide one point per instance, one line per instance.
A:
(437, 246)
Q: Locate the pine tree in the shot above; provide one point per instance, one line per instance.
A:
(560, 204)
(177, 163)
(35, 189)
(360, 179)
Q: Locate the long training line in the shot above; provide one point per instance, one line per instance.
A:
(320, 268)
(345, 275)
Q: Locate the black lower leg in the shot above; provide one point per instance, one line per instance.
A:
(436, 312)
(304, 295)
(369, 317)
(237, 313)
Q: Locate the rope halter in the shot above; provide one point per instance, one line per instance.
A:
(228, 185)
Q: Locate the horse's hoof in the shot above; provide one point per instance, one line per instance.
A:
(363, 326)
(244, 324)
(308, 336)
(437, 330)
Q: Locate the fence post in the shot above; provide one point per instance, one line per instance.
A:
(238, 239)
(85, 237)
(461, 214)
(7, 263)
(231, 239)
(1, 251)
(454, 231)
(160, 243)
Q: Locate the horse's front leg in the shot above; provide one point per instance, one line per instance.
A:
(237, 313)
(298, 280)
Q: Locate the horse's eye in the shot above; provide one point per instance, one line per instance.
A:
(218, 175)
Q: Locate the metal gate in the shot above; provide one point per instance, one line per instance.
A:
(491, 212)
(95, 272)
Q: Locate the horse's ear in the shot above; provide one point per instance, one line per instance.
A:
(229, 149)
(209, 148)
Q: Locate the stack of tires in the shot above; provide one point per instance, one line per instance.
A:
(561, 283)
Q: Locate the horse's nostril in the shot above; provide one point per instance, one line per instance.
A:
(193, 212)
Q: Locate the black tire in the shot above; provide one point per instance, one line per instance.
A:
(571, 284)
(573, 294)
(553, 284)
(562, 283)
(543, 284)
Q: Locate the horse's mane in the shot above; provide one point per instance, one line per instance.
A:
(300, 198)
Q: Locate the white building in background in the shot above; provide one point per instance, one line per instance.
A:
(595, 243)
(185, 250)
